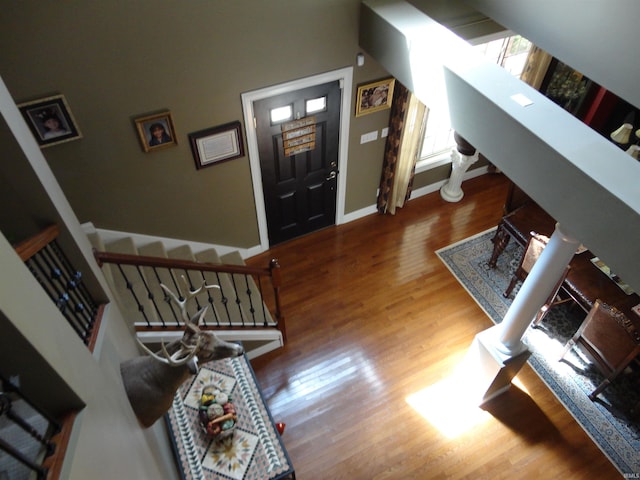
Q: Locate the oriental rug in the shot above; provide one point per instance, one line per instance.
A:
(255, 450)
(610, 420)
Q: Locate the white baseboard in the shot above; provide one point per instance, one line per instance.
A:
(434, 187)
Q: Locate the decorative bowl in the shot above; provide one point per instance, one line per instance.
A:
(217, 413)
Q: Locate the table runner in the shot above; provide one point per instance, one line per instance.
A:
(255, 452)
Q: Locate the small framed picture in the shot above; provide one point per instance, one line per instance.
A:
(156, 131)
(217, 144)
(50, 120)
(374, 97)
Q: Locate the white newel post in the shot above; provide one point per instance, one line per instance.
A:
(462, 157)
(498, 353)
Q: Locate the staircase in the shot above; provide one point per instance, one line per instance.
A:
(237, 309)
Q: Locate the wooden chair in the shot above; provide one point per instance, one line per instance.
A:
(609, 339)
(532, 252)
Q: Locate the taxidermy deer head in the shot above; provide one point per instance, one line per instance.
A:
(152, 381)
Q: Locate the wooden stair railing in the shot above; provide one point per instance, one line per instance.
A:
(63, 283)
(153, 305)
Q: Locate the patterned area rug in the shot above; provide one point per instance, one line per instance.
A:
(610, 420)
(254, 451)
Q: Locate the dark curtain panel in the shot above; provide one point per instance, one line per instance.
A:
(396, 124)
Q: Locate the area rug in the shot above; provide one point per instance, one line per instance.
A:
(255, 450)
(610, 420)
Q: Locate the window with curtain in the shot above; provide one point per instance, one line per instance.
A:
(510, 52)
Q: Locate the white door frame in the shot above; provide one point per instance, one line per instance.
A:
(345, 76)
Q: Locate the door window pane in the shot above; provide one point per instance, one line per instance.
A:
(316, 105)
(281, 114)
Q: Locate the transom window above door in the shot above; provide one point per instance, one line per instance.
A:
(281, 114)
(285, 113)
(316, 105)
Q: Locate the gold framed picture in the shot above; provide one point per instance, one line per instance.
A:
(374, 97)
(156, 131)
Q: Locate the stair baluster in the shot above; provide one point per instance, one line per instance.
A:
(238, 284)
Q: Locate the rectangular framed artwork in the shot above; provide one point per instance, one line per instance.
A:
(50, 120)
(374, 97)
(217, 144)
(156, 132)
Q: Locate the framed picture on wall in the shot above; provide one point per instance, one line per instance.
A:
(374, 97)
(566, 87)
(156, 131)
(217, 144)
(50, 120)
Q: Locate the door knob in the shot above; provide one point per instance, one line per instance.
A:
(333, 174)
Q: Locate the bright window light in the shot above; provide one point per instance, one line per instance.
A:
(316, 105)
(508, 52)
(446, 406)
(281, 114)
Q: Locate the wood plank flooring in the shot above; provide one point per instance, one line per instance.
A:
(373, 316)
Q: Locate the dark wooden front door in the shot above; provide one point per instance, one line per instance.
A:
(299, 188)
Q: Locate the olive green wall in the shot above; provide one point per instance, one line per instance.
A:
(118, 60)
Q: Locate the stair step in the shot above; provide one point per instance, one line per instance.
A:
(233, 258)
(209, 255)
(227, 311)
(223, 306)
(96, 242)
(126, 300)
(247, 299)
(183, 252)
(122, 245)
(153, 249)
(170, 312)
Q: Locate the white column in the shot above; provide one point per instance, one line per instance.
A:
(451, 190)
(535, 290)
(498, 353)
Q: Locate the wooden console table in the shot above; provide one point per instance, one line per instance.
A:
(585, 282)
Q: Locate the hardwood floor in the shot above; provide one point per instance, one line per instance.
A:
(373, 316)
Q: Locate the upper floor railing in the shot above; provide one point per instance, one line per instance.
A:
(62, 282)
(34, 442)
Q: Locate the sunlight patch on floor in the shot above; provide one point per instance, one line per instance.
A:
(547, 346)
(453, 405)
(447, 406)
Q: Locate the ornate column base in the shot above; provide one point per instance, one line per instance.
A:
(493, 370)
(462, 157)
(451, 190)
